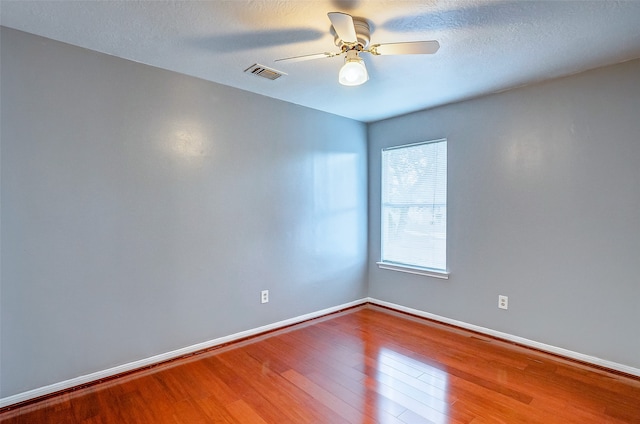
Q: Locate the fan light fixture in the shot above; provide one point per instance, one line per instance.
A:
(351, 36)
(353, 72)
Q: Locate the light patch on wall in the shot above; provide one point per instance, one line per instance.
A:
(188, 143)
(335, 203)
(525, 156)
(186, 140)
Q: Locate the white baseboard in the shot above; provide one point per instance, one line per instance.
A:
(515, 339)
(153, 360)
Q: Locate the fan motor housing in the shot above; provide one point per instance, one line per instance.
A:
(363, 34)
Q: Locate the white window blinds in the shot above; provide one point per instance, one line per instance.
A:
(414, 205)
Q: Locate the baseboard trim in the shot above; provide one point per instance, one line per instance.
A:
(558, 351)
(96, 377)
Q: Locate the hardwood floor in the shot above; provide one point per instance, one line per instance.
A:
(364, 365)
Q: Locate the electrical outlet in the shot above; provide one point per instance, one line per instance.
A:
(264, 296)
(503, 302)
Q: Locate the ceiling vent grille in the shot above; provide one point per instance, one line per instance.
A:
(264, 72)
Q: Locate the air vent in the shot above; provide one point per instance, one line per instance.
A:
(264, 72)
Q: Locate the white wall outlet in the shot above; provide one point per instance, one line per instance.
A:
(503, 302)
(264, 296)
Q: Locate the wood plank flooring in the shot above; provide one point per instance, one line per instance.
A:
(364, 365)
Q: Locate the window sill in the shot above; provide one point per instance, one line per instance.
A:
(414, 270)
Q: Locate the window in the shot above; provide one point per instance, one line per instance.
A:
(414, 208)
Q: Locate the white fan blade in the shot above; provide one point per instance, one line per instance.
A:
(307, 57)
(343, 25)
(411, 47)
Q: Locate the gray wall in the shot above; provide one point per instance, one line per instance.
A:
(544, 207)
(143, 211)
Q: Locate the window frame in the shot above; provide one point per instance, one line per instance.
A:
(402, 267)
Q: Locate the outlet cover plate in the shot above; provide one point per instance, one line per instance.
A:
(503, 302)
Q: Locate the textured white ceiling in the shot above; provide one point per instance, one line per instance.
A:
(486, 45)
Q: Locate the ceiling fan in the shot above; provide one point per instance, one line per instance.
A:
(352, 36)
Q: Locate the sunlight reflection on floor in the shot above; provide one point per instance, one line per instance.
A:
(420, 388)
